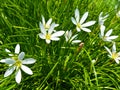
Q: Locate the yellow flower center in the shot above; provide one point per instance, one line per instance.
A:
(18, 62)
(78, 25)
(115, 55)
(48, 36)
(104, 37)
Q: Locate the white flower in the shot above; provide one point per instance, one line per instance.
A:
(80, 25)
(49, 35)
(118, 14)
(48, 23)
(16, 62)
(114, 55)
(70, 38)
(102, 18)
(106, 37)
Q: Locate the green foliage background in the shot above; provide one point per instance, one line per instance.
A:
(57, 68)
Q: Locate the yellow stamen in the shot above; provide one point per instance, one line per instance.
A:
(18, 62)
(48, 36)
(104, 37)
(115, 55)
(78, 25)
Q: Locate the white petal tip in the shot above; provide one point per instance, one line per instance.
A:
(17, 49)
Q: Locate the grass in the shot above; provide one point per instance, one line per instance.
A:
(57, 68)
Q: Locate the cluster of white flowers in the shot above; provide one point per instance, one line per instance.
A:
(49, 33)
(103, 36)
(106, 37)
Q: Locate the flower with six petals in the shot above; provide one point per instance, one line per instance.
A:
(49, 35)
(17, 62)
(70, 38)
(114, 55)
(80, 25)
(106, 37)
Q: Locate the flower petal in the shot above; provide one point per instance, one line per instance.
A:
(43, 20)
(108, 50)
(56, 25)
(84, 17)
(48, 41)
(105, 16)
(51, 29)
(76, 41)
(108, 32)
(69, 33)
(102, 18)
(86, 29)
(88, 23)
(73, 37)
(118, 58)
(78, 29)
(73, 20)
(106, 39)
(112, 37)
(17, 49)
(8, 51)
(100, 15)
(18, 76)
(117, 61)
(58, 33)
(41, 35)
(102, 29)
(26, 70)
(21, 56)
(2, 60)
(49, 22)
(9, 71)
(119, 54)
(101, 22)
(28, 61)
(55, 38)
(7, 61)
(77, 15)
(42, 28)
(114, 47)
(67, 36)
